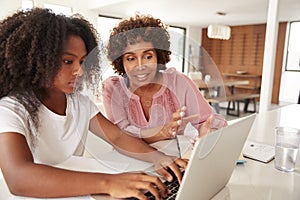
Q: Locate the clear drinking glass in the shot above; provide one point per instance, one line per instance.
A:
(286, 148)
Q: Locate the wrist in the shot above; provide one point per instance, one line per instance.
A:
(105, 184)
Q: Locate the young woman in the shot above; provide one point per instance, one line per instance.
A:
(147, 96)
(44, 59)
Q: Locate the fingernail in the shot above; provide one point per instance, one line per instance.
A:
(169, 178)
(183, 108)
(182, 113)
(192, 141)
(174, 133)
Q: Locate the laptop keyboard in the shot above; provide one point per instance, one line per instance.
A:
(173, 186)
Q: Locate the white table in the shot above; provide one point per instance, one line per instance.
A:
(259, 181)
(253, 180)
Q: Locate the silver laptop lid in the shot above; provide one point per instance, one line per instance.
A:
(213, 160)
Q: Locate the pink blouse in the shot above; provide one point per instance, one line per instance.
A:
(123, 107)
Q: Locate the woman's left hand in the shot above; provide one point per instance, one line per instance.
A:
(211, 124)
(176, 165)
(205, 128)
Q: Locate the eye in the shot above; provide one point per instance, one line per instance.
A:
(130, 58)
(68, 62)
(81, 62)
(148, 57)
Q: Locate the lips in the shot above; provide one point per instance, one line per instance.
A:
(141, 77)
(72, 84)
(75, 83)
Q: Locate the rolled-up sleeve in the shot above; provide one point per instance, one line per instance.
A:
(189, 95)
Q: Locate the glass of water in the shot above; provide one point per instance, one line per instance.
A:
(286, 148)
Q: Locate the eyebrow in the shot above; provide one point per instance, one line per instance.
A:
(71, 54)
(146, 51)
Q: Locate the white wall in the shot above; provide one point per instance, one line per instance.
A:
(10, 6)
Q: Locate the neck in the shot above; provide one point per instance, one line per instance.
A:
(151, 87)
(56, 102)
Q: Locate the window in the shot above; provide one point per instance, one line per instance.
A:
(105, 25)
(177, 38)
(293, 49)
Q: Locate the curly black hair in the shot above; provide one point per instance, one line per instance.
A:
(31, 48)
(129, 31)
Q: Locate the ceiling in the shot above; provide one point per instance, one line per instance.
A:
(199, 13)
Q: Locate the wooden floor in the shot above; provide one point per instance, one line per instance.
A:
(242, 113)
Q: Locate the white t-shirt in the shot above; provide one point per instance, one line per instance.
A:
(58, 137)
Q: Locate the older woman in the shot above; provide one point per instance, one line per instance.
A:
(147, 99)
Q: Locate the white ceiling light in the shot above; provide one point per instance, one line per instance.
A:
(218, 31)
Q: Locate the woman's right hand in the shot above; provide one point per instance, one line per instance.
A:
(133, 184)
(170, 130)
(167, 131)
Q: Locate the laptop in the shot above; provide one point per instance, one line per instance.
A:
(212, 161)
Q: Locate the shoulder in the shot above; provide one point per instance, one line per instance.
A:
(81, 102)
(175, 76)
(77, 96)
(80, 99)
(11, 104)
(112, 83)
(173, 72)
(13, 116)
(112, 80)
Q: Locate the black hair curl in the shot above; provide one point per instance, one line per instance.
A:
(129, 31)
(31, 47)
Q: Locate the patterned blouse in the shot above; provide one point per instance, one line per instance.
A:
(123, 107)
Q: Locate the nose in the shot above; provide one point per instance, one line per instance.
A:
(140, 63)
(78, 70)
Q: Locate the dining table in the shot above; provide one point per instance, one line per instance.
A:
(205, 85)
(250, 180)
(219, 89)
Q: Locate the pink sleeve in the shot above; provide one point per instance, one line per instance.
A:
(107, 90)
(190, 96)
(115, 107)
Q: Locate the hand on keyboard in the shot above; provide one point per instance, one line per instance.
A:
(173, 187)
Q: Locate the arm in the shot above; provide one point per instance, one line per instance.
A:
(212, 123)
(26, 178)
(135, 147)
(210, 120)
(189, 95)
(164, 132)
(113, 100)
